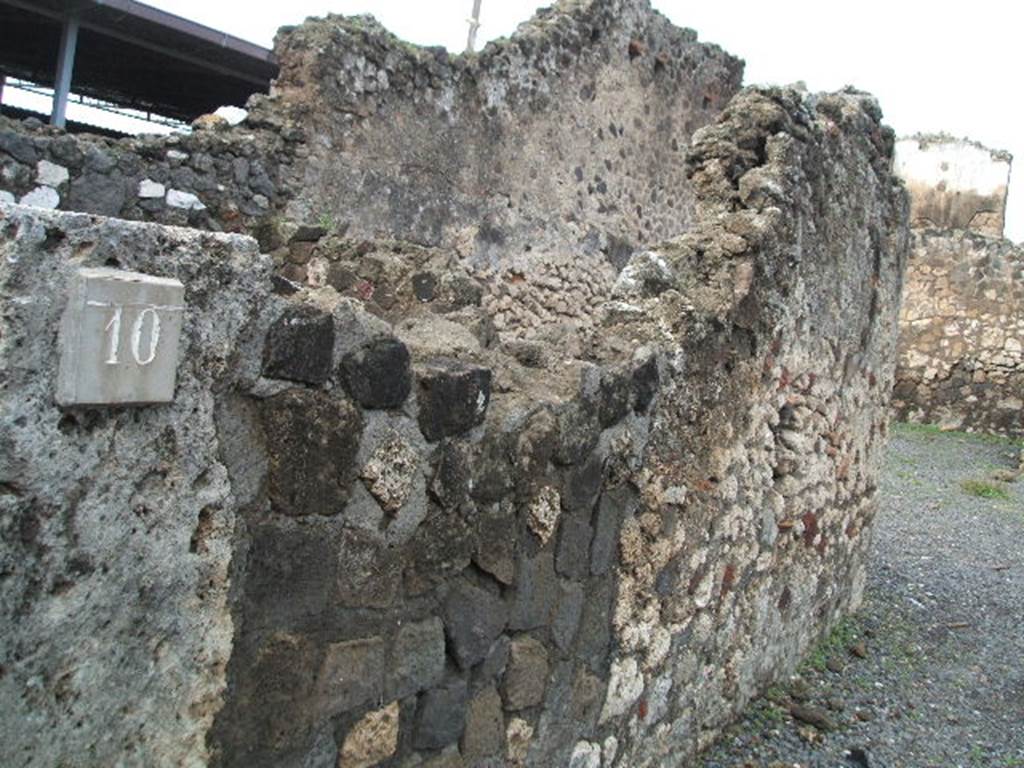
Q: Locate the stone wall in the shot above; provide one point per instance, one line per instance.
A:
(962, 333)
(116, 524)
(570, 134)
(954, 183)
(545, 432)
(423, 540)
(221, 179)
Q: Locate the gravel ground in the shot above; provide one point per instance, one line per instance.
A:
(930, 673)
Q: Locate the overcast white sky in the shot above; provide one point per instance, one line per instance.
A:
(934, 65)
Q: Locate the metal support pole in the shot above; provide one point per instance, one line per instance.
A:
(65, 69)
(474, 25)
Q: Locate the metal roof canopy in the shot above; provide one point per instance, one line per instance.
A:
(130, 54)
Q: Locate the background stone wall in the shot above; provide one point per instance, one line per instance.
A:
(221, 179)
(962, 321)
(571, 133)
(962, 333)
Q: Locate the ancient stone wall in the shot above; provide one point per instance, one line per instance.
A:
(221, 179)
(116, 524)
(962, 333)
(422, 540)
(572, 133)
(962, 321)
(495, 457)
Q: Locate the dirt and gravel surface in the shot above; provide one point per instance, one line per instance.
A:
(930, 672)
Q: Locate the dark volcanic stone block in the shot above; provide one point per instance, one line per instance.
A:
(484, 736)
(567, 618)
(450, 485)
(417, 661)
(453, 397)
(536, 592)
(300, 346)
(584, 486)
(442, 547)
(288, 566)
(613, 398)
(573, 558)
(19, 147)
(351, 675)
(646, 381)
(496, 547)
(578, 432)
(308, 233)
(473, 619)
(615, 504)
(312, 440)
(377, 374)
(441, 716)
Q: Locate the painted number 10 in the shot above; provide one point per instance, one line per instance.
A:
(113, 328)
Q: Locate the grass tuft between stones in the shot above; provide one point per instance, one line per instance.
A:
(985, 489)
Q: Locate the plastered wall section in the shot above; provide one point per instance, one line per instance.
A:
(954, 183)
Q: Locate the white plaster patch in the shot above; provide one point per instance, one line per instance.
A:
(6, 197)
(958, 164)
(178, 199)
(234, 115)
(151, 189)
(41, 197)
(51, 174)
(610, 750)
(585, 755)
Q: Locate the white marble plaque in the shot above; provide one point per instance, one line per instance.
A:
(119, 338)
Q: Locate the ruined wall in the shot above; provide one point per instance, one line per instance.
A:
(571, 133)
(545, 432)
(428, 541)
(116, 524)
(962, 333)
(954, 183)
(228, 179)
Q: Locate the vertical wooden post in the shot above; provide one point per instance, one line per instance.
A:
(65, 69)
